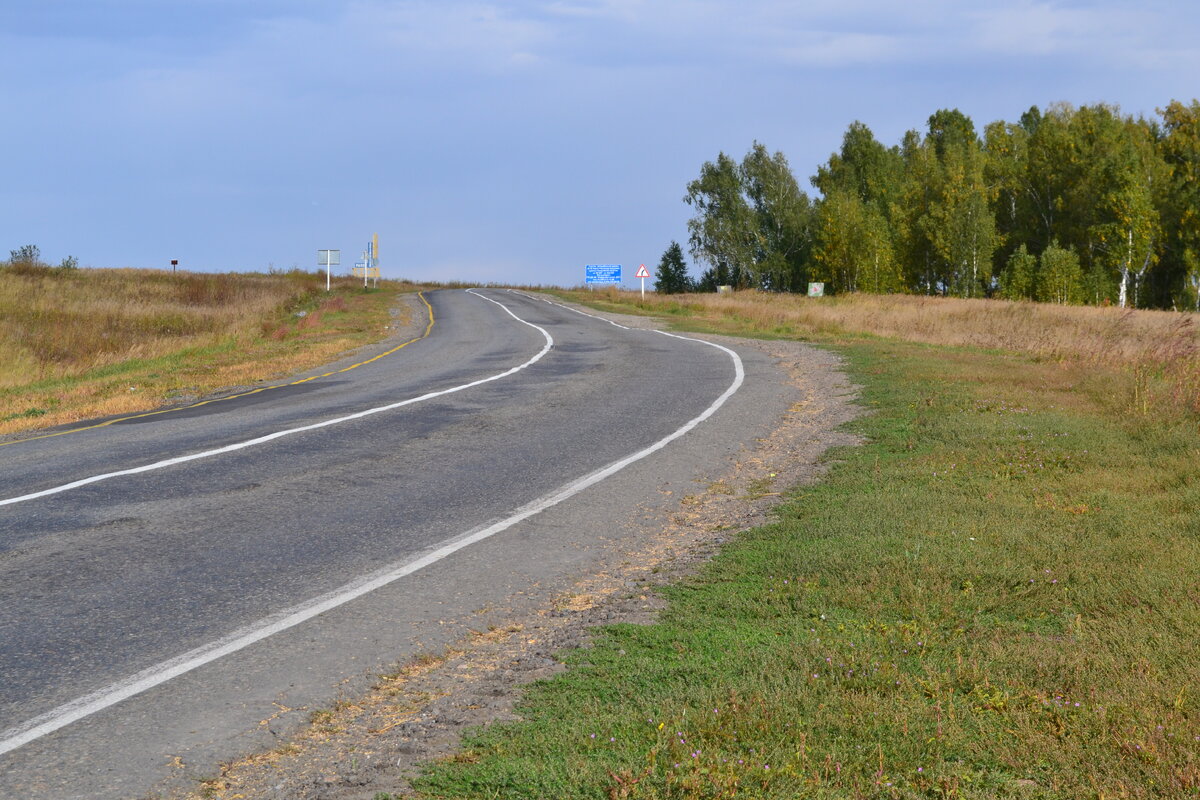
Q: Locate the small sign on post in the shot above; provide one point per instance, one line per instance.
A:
(643, 273)
(369, 266)
(174, 264)
(816, 290)
(327, 259)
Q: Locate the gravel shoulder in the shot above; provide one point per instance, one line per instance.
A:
(370, 742)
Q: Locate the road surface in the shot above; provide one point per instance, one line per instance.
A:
(176, 589)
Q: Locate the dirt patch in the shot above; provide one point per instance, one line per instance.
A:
(373, 742)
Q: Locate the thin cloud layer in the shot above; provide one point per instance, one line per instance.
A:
(545, 134)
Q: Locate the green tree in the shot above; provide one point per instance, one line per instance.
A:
(962, 228)
(854, 233)
(1130, 235)
(722, 232)
(872, 172)
(751, 220)
(1179, 148)
(782, 214)
(911, 220)
(1059, 278)
(853, 250)
(949, 228)
(672, 277)
(1006, 153)
(1019, 276)
(1191, 292)
(880, 272)
(1120, 183)
(1095, 183)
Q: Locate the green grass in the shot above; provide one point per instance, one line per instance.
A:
(997, 596)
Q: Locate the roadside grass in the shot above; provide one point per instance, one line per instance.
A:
(93, 342)
(996, 596)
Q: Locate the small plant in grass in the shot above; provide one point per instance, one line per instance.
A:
(27, 254)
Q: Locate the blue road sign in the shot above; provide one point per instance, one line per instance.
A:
(603, 273)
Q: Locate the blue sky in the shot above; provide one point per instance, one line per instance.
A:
(496, 141)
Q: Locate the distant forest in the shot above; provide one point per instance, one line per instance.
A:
(1066, 205)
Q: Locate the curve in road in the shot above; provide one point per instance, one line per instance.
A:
(158, 673)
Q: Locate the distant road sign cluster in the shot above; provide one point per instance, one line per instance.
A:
(368, 267)
(610, 275)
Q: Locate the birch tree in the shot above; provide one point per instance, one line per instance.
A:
(1059, 278)
(722, 232)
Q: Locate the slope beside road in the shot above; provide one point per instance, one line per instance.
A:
(130, 547)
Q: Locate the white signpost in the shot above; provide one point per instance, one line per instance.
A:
(369, 266)
(327, 259)
(643, 274)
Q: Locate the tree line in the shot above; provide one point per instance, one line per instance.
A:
(1066, 205)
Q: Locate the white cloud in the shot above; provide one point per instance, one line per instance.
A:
(832, 49)
(1047, 29)
(451, 34)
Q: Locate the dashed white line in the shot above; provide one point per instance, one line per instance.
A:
(270, 437)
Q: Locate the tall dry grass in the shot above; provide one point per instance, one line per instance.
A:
(1155, 353)
(81, 344)
(56, 324)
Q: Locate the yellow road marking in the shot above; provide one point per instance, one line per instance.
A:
(428, 328)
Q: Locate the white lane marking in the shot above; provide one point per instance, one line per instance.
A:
(584, 313)
(229, 448)
(89, 704)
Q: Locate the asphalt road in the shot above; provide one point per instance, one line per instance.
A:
(109, 586)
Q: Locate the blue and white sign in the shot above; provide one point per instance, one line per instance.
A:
(603, 274)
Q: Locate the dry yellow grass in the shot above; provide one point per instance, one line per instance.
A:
(56, 324)
(1156, 352)
(86, 343)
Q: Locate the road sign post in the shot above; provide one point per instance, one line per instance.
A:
(327, 259)
(369, 266)
(643, 274)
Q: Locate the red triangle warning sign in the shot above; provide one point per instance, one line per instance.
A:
(642, 273)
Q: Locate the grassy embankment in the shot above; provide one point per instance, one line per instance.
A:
(997, 596)
(92, 342)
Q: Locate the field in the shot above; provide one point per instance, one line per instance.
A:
(84, 343)
(995, 597)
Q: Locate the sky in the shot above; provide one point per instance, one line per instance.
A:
(497, 142)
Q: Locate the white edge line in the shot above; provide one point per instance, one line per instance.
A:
(241, 638)
(170, 462)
